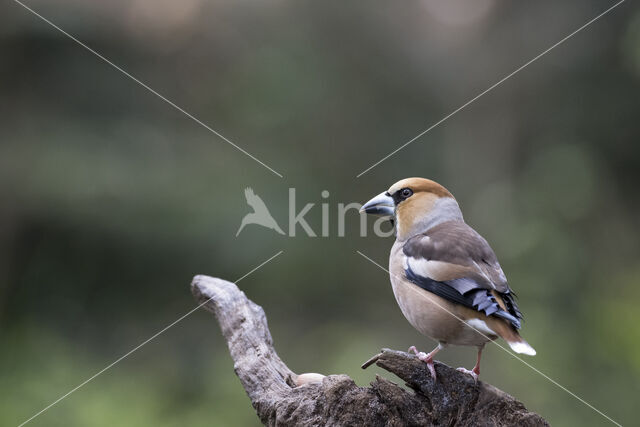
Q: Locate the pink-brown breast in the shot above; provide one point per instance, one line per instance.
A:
(431, 315)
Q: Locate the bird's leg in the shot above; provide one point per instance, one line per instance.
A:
(427, 358)
(475, 372)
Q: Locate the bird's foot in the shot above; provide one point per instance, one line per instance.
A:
(472, 372)
(426, 358)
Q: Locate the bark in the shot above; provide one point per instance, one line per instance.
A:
(280, 397)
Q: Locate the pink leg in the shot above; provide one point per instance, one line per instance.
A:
(427, 358)
(475, 372)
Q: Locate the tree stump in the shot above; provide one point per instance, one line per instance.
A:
(282, 398)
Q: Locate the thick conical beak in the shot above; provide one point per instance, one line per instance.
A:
(382, 204)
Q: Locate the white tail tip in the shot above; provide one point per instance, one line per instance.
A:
(522, 347)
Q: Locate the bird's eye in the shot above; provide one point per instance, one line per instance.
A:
(406, 192)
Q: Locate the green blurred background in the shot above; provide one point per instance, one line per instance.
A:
(111, 200)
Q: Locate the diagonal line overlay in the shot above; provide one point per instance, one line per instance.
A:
(490, 88)
(507, 351)
(124, 356)
(153, 91)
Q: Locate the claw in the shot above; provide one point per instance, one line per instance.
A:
(426, 358)
(475, 372)
(432, 369)
(420, 354)
(470, 372)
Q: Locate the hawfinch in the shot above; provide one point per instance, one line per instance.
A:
(445, 276)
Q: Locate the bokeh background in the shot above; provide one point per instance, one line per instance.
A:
(111, 200)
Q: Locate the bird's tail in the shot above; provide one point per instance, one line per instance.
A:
(513, 338)
(522, 347)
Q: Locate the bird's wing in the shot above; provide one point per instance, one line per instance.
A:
(256, 202)
(453, 261)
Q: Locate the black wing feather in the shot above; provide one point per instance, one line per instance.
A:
(476, 298)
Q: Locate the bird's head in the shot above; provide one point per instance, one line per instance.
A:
(416, 204)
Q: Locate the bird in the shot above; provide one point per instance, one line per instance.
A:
(445, 277)
(260, 214)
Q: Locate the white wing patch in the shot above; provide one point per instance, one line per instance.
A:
(420, 266)
(428, 268)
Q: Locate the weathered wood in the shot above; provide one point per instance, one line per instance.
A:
(280, 397)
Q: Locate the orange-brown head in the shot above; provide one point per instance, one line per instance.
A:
(417, 204)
